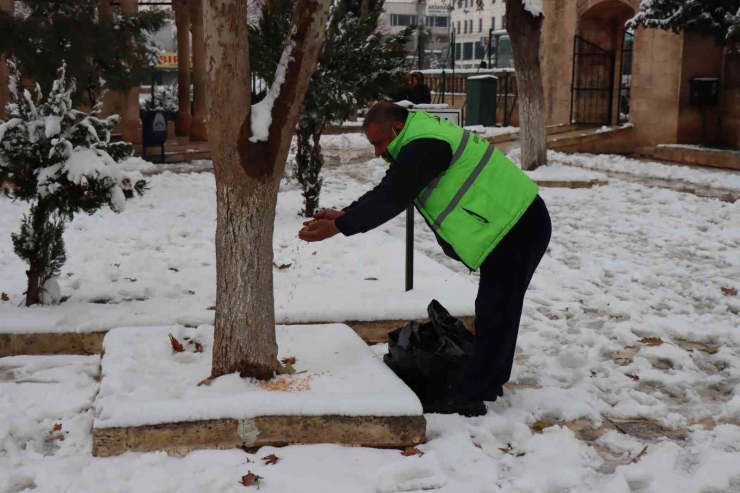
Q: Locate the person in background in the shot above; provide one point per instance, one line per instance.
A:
(418, 93)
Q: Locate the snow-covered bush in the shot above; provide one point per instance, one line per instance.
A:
(62, 162)
(166, 99)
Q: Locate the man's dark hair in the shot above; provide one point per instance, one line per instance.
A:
(385, 114)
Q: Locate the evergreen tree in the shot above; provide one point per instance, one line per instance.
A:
(45, 33)
(356, 66)
(717, 18)
(62, 162)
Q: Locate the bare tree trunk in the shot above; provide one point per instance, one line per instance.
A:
(37, 266)
(309, 162)
(524, 30)
(247, 179)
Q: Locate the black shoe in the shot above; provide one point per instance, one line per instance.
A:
(457, 404)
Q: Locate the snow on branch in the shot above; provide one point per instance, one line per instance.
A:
(262, 111)
(534, 7)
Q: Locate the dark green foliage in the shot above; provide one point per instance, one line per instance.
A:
(47, 32)
(717, 18)
(356, 66)
(61, 161)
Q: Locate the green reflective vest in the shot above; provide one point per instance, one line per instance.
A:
(478, 199)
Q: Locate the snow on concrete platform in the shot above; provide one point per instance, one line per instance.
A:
(150, 399)
(558, 176)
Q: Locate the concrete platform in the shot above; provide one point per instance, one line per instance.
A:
(92, 342)
(150, 399)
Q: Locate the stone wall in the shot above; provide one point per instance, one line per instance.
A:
(656, 87)
(730, 97)
(556, 58)
(701, 58)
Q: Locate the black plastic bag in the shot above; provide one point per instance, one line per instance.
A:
(430, 357)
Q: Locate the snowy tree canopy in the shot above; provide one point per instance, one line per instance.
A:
(717, 18)
(43, 33)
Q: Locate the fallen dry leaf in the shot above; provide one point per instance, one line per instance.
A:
(281, 266)
(507, 449)
(286, 369)
(371, 278)
(198, 347)
(271, 459)
(176, 346)
(57, 427)
(212, 307)
(651, 341)
(70, 274)
(250, 478)
(411, 451)
(115, 265)
(521, 454)
(173, 269)
(729, 291)
(288, 361)
(541, 424)
(64, 298)
(642, 452)
(4, 297)
(208, 381)
(131, 279)
(633, 377)
(709, 350)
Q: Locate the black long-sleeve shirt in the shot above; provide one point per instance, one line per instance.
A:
(418, 163)
(418, 94)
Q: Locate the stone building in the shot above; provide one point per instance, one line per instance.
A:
(594, 71)
(472, 24)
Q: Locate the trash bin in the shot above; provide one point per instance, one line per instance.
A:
(480, 104)
(153, 131)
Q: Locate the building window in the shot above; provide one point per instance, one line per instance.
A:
(480, 25)
(458, 27)
(465, 27)
(436, 21)
(458, 51)
(403, 20)
(480, 50)
(493, 23)
(467, 51)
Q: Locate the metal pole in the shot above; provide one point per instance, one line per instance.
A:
(454, 57)
(444, 84)
(410, 248)
(506, 100)
(490, 38)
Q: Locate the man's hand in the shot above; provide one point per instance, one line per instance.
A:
(328, 214)
(318, 230)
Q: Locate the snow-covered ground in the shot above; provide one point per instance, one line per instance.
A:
(626, 263)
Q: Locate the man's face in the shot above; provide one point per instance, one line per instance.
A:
(380, 137)
(415, 80)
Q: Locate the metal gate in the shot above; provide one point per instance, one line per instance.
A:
(592, 89)
(625, 80)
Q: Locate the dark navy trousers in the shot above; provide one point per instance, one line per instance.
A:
(504, 278)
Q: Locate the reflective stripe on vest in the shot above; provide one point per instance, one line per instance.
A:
(432, 184)
(464, 188)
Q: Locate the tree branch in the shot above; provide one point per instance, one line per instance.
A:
(267, 158)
